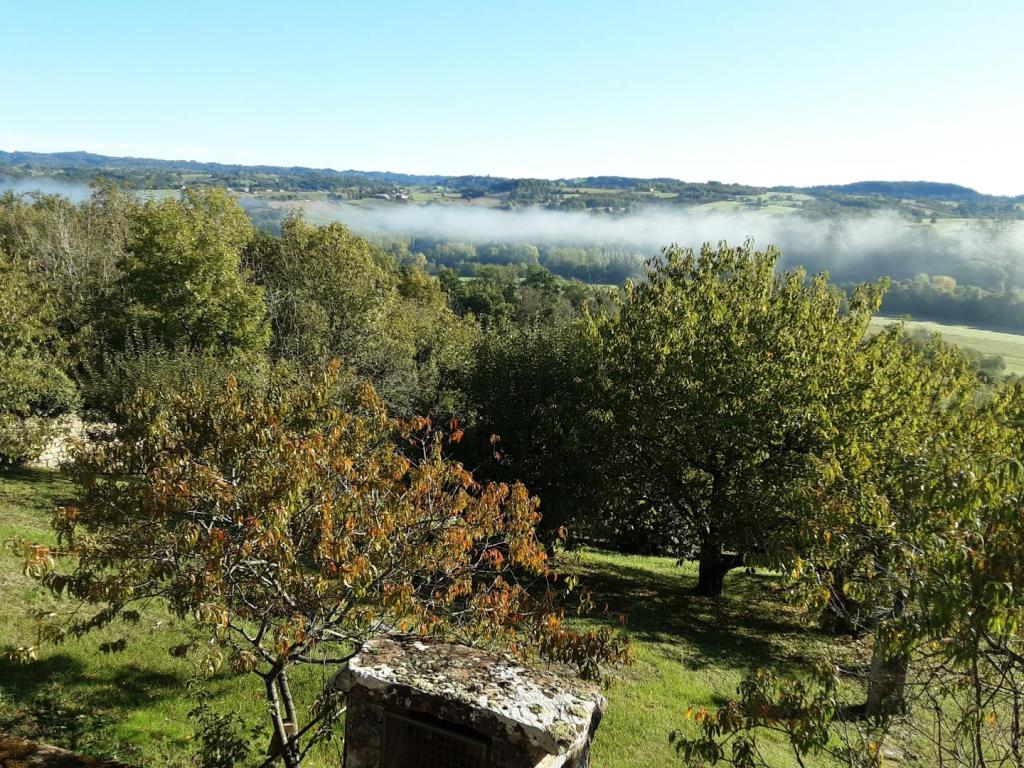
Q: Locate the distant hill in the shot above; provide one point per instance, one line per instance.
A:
(914, 190)
(71, 160)
(917, 199)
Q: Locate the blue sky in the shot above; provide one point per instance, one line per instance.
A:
(759, 92)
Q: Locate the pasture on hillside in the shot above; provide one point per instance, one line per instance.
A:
(1009, 346)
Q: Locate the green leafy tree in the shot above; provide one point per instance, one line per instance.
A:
(534, 399)
(75, 250)
(326, 292)
(181, 285)
(720, 376)
(34, 389)
(902, 403)
(919, 531)
(112, 379)
(284, 529)
(429, 349)
(332, 294)
(489, 296)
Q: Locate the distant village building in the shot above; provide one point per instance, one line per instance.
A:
(397, 194)
(418, 704)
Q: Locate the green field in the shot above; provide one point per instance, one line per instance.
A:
(1009, 346)
(135, 705)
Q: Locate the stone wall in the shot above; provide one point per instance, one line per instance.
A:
(58, 452)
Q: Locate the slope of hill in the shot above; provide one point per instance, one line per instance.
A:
(918, 190)
(609, 193)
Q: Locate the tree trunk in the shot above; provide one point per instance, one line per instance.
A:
(887, 682)
(283, 729)
(1018, 761)
(291, 724)
(712, 568)
(887, 679)
(843, 615)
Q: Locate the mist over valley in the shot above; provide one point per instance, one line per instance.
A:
(855, 232)
(866, 246)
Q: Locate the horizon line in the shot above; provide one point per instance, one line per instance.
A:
(349, 171)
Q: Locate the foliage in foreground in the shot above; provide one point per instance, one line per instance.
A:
(131, 706)
(292, 529)
(942, 568)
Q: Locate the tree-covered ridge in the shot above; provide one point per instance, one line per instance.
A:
(610, 193)
(856, 231)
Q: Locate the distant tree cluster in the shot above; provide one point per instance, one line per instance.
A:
(154, 294)
(942, 299)
(597, 265)
(918, 200)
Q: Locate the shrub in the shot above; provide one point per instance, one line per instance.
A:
(118, 377)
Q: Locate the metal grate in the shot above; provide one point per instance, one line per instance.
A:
(414, 743)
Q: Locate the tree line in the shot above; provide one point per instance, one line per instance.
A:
(942, 299)
(722, 409)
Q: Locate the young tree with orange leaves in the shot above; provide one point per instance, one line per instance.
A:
(290, 529)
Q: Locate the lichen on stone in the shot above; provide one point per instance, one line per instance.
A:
(542, 708)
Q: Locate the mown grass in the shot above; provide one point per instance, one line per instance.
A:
(691, 651)
(134, 706)
(131, 706)
(1009, 346)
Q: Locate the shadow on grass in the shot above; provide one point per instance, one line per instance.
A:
(746, 626)
(34, 475)
(28, 474)
(34, 490)
(55, 700)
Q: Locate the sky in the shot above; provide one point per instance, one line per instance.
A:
(766, 92)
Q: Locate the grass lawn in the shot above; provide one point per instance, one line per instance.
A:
(134, 706)
(689, 651)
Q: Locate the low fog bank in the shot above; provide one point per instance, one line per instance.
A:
(850, 247)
